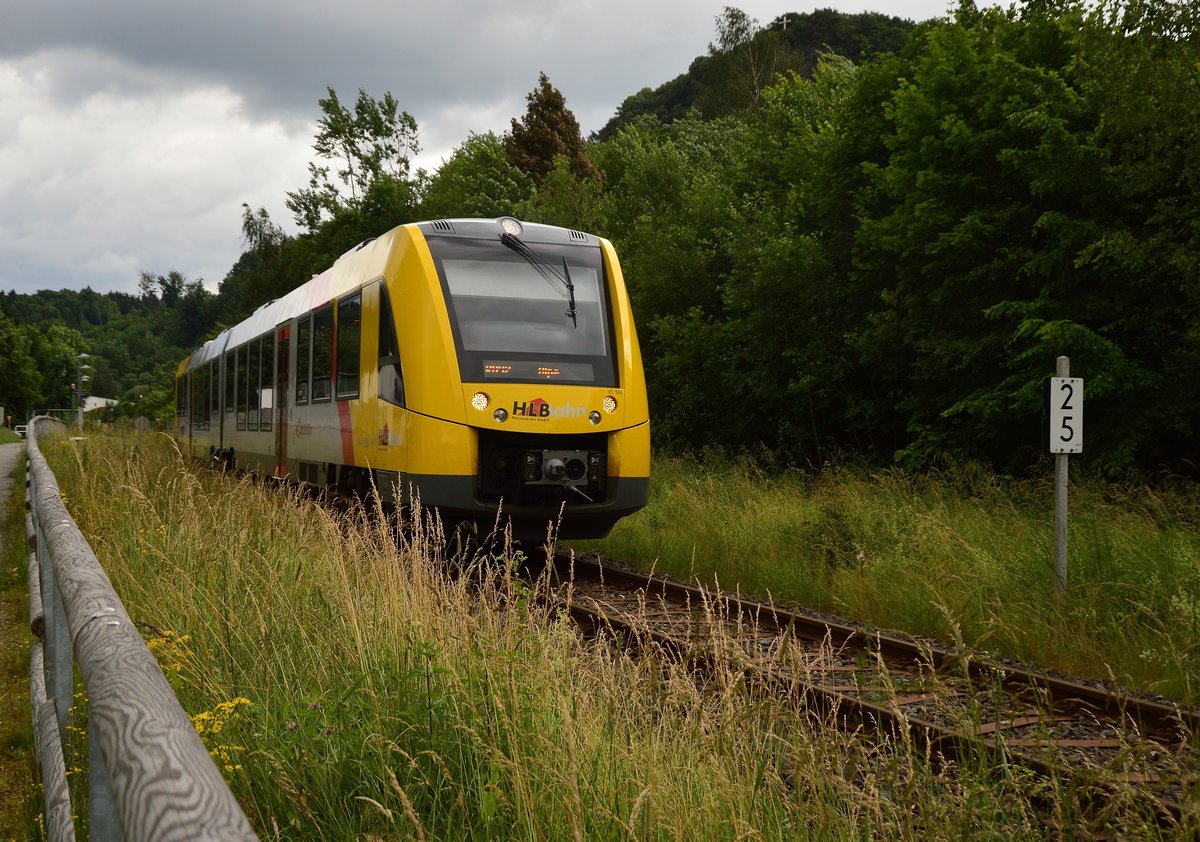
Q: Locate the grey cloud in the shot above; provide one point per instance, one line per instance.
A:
(132, 130)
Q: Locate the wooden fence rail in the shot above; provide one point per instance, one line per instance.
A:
(150, 777)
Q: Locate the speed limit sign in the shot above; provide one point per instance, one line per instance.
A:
(1064, 414)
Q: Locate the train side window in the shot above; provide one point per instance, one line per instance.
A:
(252, 384)
(230, 380)
(322, 355)
(181, 396)
(242, 388)
(214, 389)
(303, 358)
(199, 405)
(266, 380)
(349, 346)
(202, 387)
(391, 379)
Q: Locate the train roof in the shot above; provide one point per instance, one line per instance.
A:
(350, 270)
(319, 290)
(489, 229)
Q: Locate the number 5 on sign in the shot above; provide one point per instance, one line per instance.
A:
(1064, 405)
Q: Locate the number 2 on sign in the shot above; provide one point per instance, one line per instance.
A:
(1067, 433)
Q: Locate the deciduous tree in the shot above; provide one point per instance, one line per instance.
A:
(371, 144)
(476, 180)
(20, 379)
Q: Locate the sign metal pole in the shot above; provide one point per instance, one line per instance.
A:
(1064, 436)
(1061, 468)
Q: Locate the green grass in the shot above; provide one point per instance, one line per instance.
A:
(349, 690)
(961, 554)
(19, 803)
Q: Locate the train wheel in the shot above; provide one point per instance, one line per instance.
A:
(355, 483)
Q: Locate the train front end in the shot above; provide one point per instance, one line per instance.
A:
(546, 423)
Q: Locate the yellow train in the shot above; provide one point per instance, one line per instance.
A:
(488, 366)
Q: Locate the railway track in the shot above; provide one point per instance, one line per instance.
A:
(1111, 744)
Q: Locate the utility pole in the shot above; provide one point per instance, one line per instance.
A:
(80, 378)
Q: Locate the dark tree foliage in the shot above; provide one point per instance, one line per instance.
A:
(667, 103)
(668, 209)
(745, 59)
(477, 180)
(562, 198)
(20, 379)
(133, 344)
(1027, 210)
(902, 248)
(547, 131)
(803, 38)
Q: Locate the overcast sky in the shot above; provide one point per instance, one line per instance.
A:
(131, 131)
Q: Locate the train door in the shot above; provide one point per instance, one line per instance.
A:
(282, 388)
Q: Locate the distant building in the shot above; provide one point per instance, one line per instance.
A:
(92, 402)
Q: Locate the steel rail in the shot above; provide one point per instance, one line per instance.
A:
(1022, 723)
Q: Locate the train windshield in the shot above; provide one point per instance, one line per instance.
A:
(535, 316)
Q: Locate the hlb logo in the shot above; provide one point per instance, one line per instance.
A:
(539, 408)
(536, 408)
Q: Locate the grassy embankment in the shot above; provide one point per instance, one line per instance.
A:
(350, 691)
(16, 732)
(960, 555)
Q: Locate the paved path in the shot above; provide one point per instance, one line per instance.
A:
(16, 784)
(9, 453)
(8, 459)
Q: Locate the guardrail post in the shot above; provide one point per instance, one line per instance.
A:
(103, 823)
(49, 732)
(55, 794)
(60, 684)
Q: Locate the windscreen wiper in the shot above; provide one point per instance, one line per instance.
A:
(570, 292)
(545, 270)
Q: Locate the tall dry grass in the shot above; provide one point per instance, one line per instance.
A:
(961, 551)
(351, 690)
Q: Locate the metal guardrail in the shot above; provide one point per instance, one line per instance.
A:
(149, 775)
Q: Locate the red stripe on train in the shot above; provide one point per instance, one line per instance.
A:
(347, 432)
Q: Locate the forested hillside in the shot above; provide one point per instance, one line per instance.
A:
(744, 60)
(133, 344)
(879, 248)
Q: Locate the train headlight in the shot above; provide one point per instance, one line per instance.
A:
(594, 417)
(500, 415)
(480, 401)
(510, 226)
(610, 404)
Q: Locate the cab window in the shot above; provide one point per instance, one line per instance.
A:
(391, 380)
